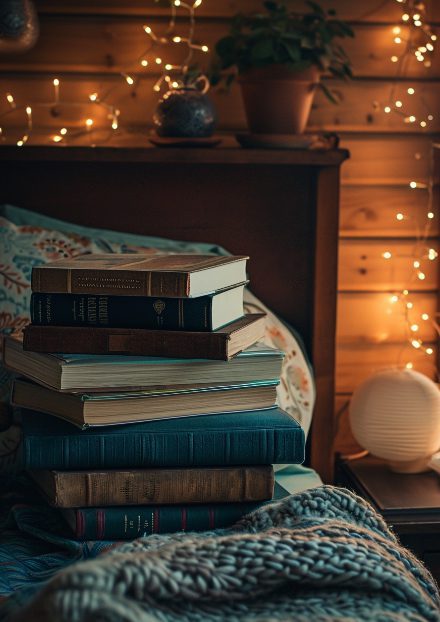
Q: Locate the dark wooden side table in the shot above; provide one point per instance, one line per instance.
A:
(410, 504)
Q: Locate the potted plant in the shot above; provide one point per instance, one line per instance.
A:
(279, 56)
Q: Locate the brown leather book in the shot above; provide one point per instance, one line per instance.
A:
(221, 344)
(69, 489)
(168, 275)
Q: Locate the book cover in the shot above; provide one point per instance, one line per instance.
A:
(93, 373)
(204, 313)
(127, 523)
(98, 409)
(221, 344)
(170, 275)
(257, 437)
(70, 489)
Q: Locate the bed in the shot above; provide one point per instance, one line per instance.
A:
(280, 208)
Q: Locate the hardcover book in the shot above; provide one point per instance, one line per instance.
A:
(170, 275)
(205, 313)
(94, 409)
(70, 489)
(127, 523)
(256, 437)
(93, 373)
(221, 344)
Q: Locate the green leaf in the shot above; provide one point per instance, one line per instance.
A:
(262, 50)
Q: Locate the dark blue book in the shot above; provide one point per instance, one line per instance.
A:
(268, 436)
(129, 522)
(205, 313)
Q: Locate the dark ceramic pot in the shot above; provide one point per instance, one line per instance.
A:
(185, 113)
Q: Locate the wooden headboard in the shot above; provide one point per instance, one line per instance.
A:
(280, 207)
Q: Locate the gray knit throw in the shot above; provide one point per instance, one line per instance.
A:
(322, 555)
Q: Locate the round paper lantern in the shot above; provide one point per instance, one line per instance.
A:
(395, 415)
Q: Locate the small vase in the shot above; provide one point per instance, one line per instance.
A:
(185, 113)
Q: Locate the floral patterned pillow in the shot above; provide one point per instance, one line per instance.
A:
(28, 239)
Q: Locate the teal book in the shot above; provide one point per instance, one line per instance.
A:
(127, 523)
(268, 436)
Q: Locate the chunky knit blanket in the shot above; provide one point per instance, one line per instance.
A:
(322, 555)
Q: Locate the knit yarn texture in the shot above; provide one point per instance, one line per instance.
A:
(322, 555)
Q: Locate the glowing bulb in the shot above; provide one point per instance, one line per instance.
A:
(420, 58)
(405, 292)
(174, 85)
(56, 82)
(156, 88)
(396, 30)
(144, 63)
(416, 16)
(414, 327)
(410, 91)
(387, 255)
(397, 40)
(168, 67)
(176, 2)
(10, 99)
(421, 276)
(429, 350)
(432, 254)
(387, 109)
(89, 122)
(398, 104)
(197, 3)
(114, 124)
(430, 215)
(415, 344)
(409, 365)
(400, 216)
(20, 143)
(409, 305)
(93, 97)
(430, 117)
(177, 39)
(394, 298)
(158, 61)
(417, 23)
(411, 119)
(205, 48)
(147, 30)
(405, 17)
(416, 264)
(129, 80)
(429, 47)
(425, 316)
(57, 138)
(422, 49)
(413, 184)
(433, 37)
(394, 59)
(422, 123)
(63, 131)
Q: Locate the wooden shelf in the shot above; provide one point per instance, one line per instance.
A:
(174, 155)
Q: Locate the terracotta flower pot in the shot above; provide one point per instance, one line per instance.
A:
(278, 100)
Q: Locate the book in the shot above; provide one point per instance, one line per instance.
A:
(257, 437)
(70, 489)
(96, 409)
(93, 373)
(172, 275)
(205, 313)
(127, 523)
(221, 344)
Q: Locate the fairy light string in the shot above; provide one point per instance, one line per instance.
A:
(149, 61)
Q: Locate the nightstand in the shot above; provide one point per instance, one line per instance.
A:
(410, 504)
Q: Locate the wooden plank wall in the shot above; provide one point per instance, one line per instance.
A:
(87, 44)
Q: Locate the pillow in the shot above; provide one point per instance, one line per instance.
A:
(29, 239)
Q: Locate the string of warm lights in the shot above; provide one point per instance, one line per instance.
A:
(171, 75)
(418, 40)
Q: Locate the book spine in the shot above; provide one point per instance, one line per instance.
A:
(82, 451)
(122, 523)
(86, 340)
(109, 282)
(165, 486)
(111, 311)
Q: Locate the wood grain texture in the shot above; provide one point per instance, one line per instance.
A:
(345, 443)
(363, 268)
(355, 362)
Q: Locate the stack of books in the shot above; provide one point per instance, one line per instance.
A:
(160, 414)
